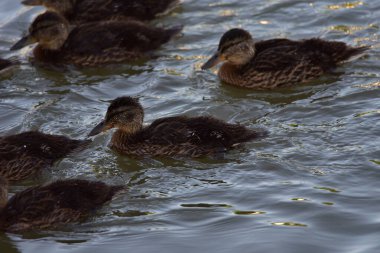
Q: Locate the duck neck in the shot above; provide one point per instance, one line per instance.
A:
(46, 55)
(230, 73)
(121, 138)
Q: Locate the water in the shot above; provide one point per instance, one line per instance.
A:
(311, 186)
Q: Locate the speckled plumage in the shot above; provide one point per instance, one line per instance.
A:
(26, 154)
(83, 11)
(171, 136)
(277, 62)
(54, 204)
(94, 44)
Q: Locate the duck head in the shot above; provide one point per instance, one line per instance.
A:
(61, 6)
(50, 30)
(124, 113)
(235, 47)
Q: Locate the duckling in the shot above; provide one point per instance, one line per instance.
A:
(26, 154)
(277, 62)
(92, 44)
(51, 205)
(83, 11)
(171, 136)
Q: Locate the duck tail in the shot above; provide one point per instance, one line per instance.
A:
(78, 146)
(173, 32)
(246, 135)
(253, 134)
(338, 52)
(353, 53)
(116, 190)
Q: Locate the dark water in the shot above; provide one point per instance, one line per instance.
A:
(311, 186)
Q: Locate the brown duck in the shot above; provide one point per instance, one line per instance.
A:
(172, 136)
(26, 154)
(92, 44)
(51, 205)
(83, 11)
(277, 62)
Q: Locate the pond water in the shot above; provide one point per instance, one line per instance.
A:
(311, 186)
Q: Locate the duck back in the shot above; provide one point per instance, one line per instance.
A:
(335, 51)
(89, 10)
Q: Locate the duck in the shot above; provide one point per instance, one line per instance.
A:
(273, 63)
(169, 136)
(51, 205)
(92, 44)
(25, 155)
(83, 11)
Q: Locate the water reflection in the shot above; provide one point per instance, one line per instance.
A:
(7, 245)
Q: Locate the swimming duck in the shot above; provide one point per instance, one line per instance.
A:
(83, 11)
(26, 154)
(51, 205)
(171, 136)
(92, 44)
(277, 62)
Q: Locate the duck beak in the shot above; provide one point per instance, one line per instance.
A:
(32, 2)
(98, 129)
(214, 60)
(27, 40)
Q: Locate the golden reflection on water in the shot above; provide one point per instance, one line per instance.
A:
(299, 199)
(369, 85)
(264, 22)
(173, 72)
(358, 115)
(329, 189)
(227, 13)
(351, 29)
(289, 224)
(375, 161)
(347, 5)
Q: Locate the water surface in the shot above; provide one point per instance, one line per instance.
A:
(311, 186)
